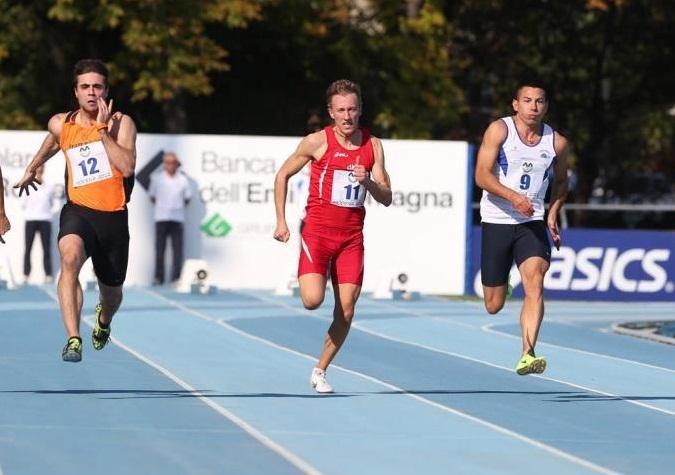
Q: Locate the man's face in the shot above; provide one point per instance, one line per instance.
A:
(170, 163)
(531, 104)
(90, 86)
(345, 111)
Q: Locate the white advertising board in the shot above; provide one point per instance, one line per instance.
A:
(231, 218)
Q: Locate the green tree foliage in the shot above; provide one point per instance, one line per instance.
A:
(428, 68)
(166, 52)
(606, 63)
(158, 51)
(30, 54)
(415, 72)
(282, 66)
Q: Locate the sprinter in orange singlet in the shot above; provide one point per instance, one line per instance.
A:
(99, 147)
(346, 164)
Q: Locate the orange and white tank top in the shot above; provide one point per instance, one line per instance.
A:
(91, 180)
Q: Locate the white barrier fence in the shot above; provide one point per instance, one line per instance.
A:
(231, 219)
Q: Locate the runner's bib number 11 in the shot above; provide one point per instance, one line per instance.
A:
(347, 192)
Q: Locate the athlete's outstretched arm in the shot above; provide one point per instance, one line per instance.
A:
(49, 148)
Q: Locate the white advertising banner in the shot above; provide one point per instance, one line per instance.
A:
(231, 218)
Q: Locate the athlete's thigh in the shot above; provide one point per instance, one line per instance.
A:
(317, 248)
(531, 241)
(74, 221)
(72, 252)
(312, 289)
(496, 253)
(110, 258)
(110, 264)
(348, 263)
(532, 271)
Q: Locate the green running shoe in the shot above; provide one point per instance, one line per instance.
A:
(99, 337)
(72, 352)
(509, 287)
(530, 364)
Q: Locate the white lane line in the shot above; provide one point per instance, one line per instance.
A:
(488, 328)
(552, 450)
(284, 453)
(510, 370)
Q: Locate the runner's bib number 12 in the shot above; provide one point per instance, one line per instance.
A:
(89, 164)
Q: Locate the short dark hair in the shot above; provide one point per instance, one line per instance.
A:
(88, 65)
(532, 81)
(342, 87)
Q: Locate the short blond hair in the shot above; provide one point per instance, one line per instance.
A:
(342, 87)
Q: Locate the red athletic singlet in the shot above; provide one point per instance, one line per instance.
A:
(335, 197)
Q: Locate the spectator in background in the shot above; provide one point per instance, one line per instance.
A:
(4, 222)
(170, 194)
(39, 208)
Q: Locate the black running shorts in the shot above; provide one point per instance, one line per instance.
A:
(106, 239)
(502, 244)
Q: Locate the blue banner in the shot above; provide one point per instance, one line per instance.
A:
(595, 264)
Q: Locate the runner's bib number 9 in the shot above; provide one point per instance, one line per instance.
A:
(531, 179)
(89, 164)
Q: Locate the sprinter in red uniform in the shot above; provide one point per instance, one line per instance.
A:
(346, 164)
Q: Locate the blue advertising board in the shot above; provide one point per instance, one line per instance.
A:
(594, 264)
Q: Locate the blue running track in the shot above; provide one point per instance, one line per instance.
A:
(219, 384)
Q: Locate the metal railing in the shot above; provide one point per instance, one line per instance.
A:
(640, 208)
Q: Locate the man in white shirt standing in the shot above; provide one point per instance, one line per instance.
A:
(39, 208)
(170, 194)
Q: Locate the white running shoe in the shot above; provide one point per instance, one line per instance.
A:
(319, 383)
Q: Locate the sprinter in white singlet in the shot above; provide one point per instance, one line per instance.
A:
(517, 160)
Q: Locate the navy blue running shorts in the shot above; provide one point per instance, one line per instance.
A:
(502, 244)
